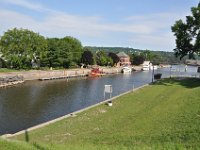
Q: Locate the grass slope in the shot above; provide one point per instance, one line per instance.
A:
(163, 115)
(15, 145)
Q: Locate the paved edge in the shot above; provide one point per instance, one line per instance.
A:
(69, 115)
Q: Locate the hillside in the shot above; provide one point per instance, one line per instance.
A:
(164, 57)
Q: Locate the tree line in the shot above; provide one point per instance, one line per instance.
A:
(25, 49)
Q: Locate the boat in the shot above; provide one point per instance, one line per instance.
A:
(95, 72)
(155, 67)
(146, 66)
(126, 70)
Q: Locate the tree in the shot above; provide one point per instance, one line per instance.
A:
(74, 48)
(87, 57)
(101, 58)
(188, 34)
(52, 57)
(64, 52)
(2, 63)
(138, 59)
(21, 46)
(114, 58)
(109, 61)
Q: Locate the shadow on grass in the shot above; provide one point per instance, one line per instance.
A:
(185, 82)
(39, 147)
(26, 136)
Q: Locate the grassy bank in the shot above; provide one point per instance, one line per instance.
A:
(5, 70)
(163, 115)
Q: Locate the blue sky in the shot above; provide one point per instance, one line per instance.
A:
(142, 24)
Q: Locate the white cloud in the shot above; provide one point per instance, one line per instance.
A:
(25, 4)
(62, 23)
(150, 31)
(165, 42)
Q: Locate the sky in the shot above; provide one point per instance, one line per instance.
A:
(140, 24)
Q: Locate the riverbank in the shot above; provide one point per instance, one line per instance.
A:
(56, 74)
(39, 74)
(9, 81)
(154, 117)
(50, 74)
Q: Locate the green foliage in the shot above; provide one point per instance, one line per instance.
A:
(51, 58)
(87, 57)
(2, 63)
(64, 52)
(161, 56)
(74, 47)
(188, 34)
(101, 58)
(114, 57)
(110, 61)
(20, 46)
(137, 59)
(15, 145)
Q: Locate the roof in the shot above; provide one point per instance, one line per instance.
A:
(146, 62)
(122, 54)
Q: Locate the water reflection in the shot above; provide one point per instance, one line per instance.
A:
(35, 102)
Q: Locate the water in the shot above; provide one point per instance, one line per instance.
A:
(35, 102)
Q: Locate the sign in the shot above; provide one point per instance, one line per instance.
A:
(108, 89)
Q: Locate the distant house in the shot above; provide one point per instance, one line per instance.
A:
(192, 62)
(124, 59)
(146, 65)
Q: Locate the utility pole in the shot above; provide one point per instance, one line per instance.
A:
(153, 74)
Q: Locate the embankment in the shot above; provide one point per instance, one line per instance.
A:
(9, 78)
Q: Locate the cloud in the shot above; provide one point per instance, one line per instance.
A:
(150, 31)
(61, 23)
(25, 4)
(164, 42)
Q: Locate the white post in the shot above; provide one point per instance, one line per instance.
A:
(107, 89)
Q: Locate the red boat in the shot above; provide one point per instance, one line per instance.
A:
(95, 72)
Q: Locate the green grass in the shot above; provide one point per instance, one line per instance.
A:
(165, 115)
(15, 145)
(4, 70)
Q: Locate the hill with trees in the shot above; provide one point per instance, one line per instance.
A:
(157, 57)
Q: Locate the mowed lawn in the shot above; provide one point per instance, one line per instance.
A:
(165, 115)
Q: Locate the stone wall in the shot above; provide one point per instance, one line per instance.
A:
(11, 80)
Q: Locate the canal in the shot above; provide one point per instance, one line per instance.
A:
(35, 102)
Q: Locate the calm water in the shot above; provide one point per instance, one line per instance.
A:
(35, 102)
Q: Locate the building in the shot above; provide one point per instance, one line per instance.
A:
(124, 59)
(192, 62)
(146, 65)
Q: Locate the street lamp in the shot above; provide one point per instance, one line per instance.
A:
(152, 74)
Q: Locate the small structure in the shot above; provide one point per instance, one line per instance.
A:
(95, 72)
(107, 89)
(198, 69)
(146, 65)
(124, 59)
(192, 62)
(126, 70)
(109, 103)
